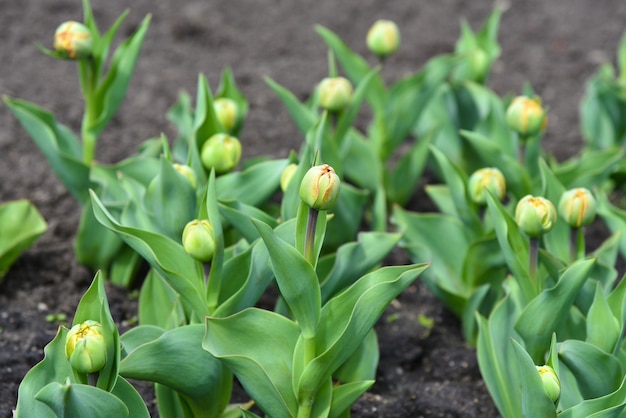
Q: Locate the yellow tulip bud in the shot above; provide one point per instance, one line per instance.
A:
(335, 93)
(73, 40)
(199, 240)
(320, 187)
(526, 116)
(85, 347)
(551, 382)
(221, 152)
(383, 38)
(227, 112)
(486, 178)
(535, 215)
(577, 207)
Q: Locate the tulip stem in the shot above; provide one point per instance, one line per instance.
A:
(88, 136)
(533, 261)
(576, 244)
(92, 378)
(309, 241)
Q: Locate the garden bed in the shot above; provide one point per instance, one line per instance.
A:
(424, 371)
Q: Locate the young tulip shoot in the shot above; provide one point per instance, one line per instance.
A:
(551, 382)
(335, 93)
(199, 240)
(526, 116)
(85, 347)
(221, 152)
(73, 40)
(484, 179)
(383, 38)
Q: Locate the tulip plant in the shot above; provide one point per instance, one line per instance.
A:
(507, 245)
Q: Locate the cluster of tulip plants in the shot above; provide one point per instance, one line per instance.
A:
(545, 314)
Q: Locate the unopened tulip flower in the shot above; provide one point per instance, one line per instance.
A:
(226, 111)
(577, 207)
(221, 152)
(85, 347)
(486, 179)
(383, 38)
(526, 116)
(551, 382)
(535, 215)
(73, 40)
(199, 240)
(320, 187)
(477, 62)
(335, 93)
(287, 175)
(188, 172)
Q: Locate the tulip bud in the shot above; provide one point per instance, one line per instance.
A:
(287, 175)
(226, 111)
(535, 215)
(73, 40)
(383, 38)
(222, 152)
(551, 382)
(577, 207)
(477, 62)
(486, 178)
(85, 347)
(188, 172)
(335, 93)
(199, 240)
(320, 187)
(526, 116)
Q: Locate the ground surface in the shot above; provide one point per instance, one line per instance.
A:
(553, 45)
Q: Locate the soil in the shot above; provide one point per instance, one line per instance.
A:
(423, 372)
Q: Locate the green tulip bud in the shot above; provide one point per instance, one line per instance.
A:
(73, 40)
(551, 382)
(335, 93)
(577, 207)
(287, 175)
(535, 215)
(477, 62)
(221, 152)
(320, 187)
(199, 240)
(227, 112)
(486, 178)
(85, 347)
(188, 172)
(526, 116)
(383, 38)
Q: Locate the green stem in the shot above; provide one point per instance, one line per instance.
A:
(305, 405)
(533, 261)
(92, 378)
(309, 240)
(89, 137)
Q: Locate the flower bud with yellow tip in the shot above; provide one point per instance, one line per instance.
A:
(73, 40)
(85, 347)
(320, 187)
(535, 215)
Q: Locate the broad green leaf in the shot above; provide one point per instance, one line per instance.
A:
(111, 91)
(548, 312)
(591, 169)
(347, 116)
(347, 216)
(354, 259)
(362, 365)
(53, 368)
(159, 304)
(345, 395)
(609, 406)
(296, 279)
(597, 372)
(303, 117)
(205, 383)
(497, 359)
(72, 400)
(131, 398)
(253, 186)
(258, 347)
(238, 216)
(57, 143)
(139, 335)
(603, 328)
(167, 257)
(365, 168)
(403, 179)
(95, 245)
(348, 317)
(205, 123)
(20, 226)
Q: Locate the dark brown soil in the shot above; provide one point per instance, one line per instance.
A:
(555, 46)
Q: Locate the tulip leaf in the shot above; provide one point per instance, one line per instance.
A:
(53, 368)
(258, 347)
(139, 335)
(303, 117)
(159, 304)
(348, 213)
(253, 186)
(238, 215)
(57, 143)
(20, 226)
(205, 122)
(597, 373)
(167, 257)
(345, 395)
(497, 359)
(549, 311)
(362, 365)
(131, 398)
(608, 406)
(347, 318)
(77, 400)
(590, 169)
(296, 279)
(365, 168)
(354, 259)
(204, 383)
(603, 328)
(402, 180)
(535, 401)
